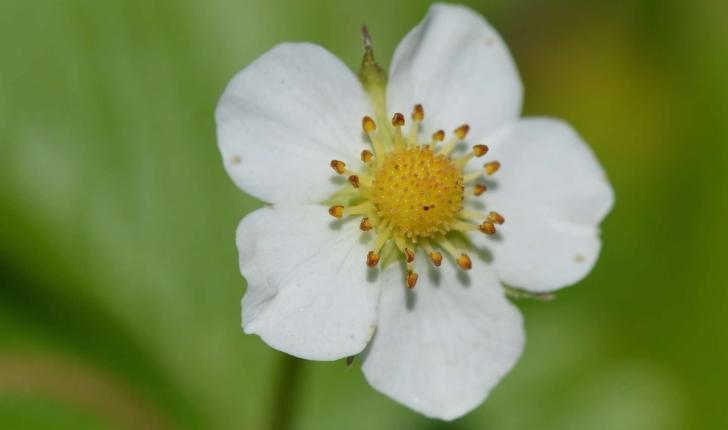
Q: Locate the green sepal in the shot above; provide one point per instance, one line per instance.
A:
(374, 80)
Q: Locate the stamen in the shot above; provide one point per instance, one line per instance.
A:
(460, 134)
(354, 181)
(477, 190)
(446, 245)
(372, 258)
(411, 279)
(336, 211)
(469, 177)
(472, 215)
(464, 226)
(383, 235)
(399, 240)
(338, 166)
(366, 155)
(496, 218)
(462, 131)
(437, 136)
(492, 167)
(435, 257)
(487, 228)
(464, 262)
(370, 128)
(398, 122)
(365, 224)
(365, 208)
(417, 114)
(478, 151)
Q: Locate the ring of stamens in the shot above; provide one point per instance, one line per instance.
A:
(413, 194)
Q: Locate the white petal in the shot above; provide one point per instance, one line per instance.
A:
(553, 193)
(283, 119)
(310, 293)
(442, 346)
(458, 67)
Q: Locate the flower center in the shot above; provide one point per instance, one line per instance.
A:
(417, 192)
(412, 194)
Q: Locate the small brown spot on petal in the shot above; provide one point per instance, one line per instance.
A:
(578, 258)
(236, 159)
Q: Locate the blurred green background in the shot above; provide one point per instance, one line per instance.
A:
(119, 285)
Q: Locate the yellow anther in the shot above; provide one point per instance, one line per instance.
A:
(398, 120)
(372, 259)
(487, 228)
(480, 150)
(354, 181)
(462, 131)
(464, 262)
(365, 224)
(409, 255)
(496, 218)
(418, 113)
(438, 136)
(368, 124)
(338, 166)
(366, 155)
(336, 211)
(411, 279)
(436, 258)
(492, 167)
(479, 189)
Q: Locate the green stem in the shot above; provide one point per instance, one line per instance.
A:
(288, 384)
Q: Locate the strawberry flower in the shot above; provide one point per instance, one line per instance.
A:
(401, 204)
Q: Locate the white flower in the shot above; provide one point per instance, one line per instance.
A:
(441, 347)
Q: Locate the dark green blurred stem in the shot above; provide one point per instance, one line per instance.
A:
(284, 404)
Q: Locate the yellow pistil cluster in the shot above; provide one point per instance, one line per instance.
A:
(413, 194)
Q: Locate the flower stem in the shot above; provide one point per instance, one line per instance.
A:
(283, 408)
